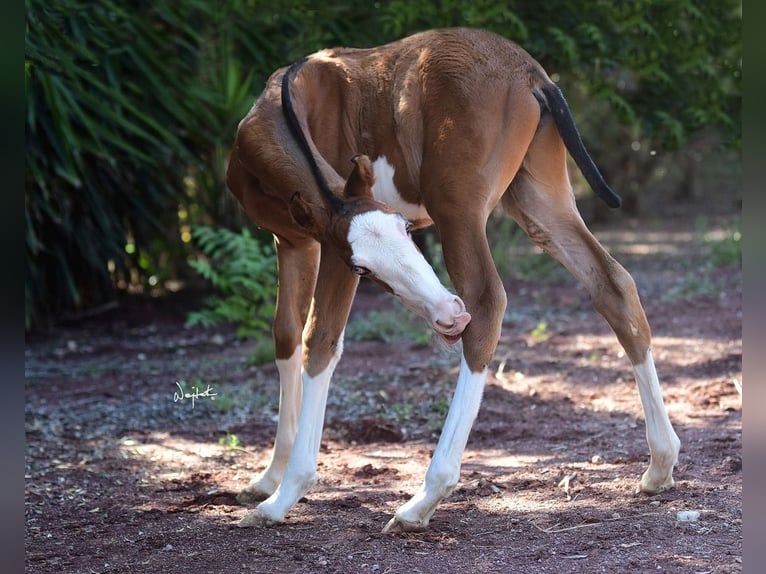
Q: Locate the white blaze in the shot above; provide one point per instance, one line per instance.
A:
(380, 243)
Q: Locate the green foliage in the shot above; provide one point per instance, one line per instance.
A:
(124, 102)
(721, 248)
(438, 414)
(263, 352)
(243, 270)
(540, 333)
(242, 399)
(728, 250)
(538, 266)
(670, 66)
(402, 17)
(516, 256)
(399, 412)
(230, 442)
(696, 283)
(430, 412)
(132, 107)
(387, 327)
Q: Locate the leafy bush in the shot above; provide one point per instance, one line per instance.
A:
(125, 101)
(243, 270)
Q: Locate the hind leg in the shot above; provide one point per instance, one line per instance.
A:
(297, 267)
(541, 201)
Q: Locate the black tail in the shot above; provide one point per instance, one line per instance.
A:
(555, 102)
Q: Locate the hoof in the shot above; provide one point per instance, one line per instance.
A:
(397, 524)
(655, 488)
(653, 485)
(258, 520)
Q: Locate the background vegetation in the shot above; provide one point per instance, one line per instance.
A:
(131, 107)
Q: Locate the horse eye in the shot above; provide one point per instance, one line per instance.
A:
(359, 270)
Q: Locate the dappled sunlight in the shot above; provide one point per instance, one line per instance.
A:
(172, 456)
(641, 242)
(649, 249)
(165, 461)
(700, 377)
(645, 237)
(604, 352)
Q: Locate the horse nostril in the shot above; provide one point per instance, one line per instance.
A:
(459, 304)
(445, 324)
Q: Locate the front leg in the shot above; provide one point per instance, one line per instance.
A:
(444, 471)
(476, 280)
(323, 347)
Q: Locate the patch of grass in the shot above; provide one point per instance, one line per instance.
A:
(430, 414)
(387, 327)
(540, 333)
(504, 237)
(538, 266)
(262, 353)
(437, 414)
(727, 251)
(399, 412)
(97, 369)
(692, 285)
(722, 251)
(722, 248)
(238, 397)
(226, 402)
(440, 406)
(230, 441)
(516, 256)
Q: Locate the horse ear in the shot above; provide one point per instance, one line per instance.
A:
(311, 218)
(362, 178)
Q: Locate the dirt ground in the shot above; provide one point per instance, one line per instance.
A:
(122, 478)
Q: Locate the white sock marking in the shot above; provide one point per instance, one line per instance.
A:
(287, 425)
(444, 471)
(663, 441)
(300, 474)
